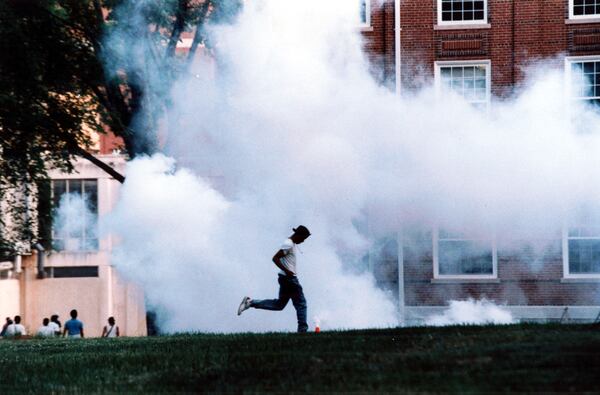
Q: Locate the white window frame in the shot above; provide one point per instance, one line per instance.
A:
(488, 75)
(474, 22)
(436, 259)
(569, 60)
(367, 22)
(573, 16)
(565, 257)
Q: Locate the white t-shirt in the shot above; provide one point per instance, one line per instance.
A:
(15, 329)
(111, 331)
(289, 259)
(46, 331)
(54, 326)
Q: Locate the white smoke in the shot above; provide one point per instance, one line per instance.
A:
(291, 129)
(197, 254)
(471, 312)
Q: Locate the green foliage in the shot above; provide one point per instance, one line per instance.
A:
(477, 359)
(62, 77)
(43, 104)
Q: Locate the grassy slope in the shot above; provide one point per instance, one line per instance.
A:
(507, 358)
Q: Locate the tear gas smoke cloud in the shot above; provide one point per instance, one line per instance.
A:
(471, 312)
(290, 128)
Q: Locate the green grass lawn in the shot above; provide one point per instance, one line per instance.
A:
(532, 358)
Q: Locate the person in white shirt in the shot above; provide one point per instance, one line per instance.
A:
(289, 286)
(16, 329)
(55, 324)
(45, 330)
(111, 330)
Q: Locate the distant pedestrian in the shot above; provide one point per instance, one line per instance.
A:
(73, 327)
(16, 329)
(5, 326)
(45, 330)
(289, 286)
(111, 330)
(55, 324)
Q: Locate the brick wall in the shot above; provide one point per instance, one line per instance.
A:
(525, 277)
(379, 42)
(519, 33)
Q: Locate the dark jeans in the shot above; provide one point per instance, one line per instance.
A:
(289, 288)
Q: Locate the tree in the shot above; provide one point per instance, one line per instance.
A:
(74, 65)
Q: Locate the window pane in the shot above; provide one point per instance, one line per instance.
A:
(468, 81)
(59, 188)
(75, 271)
(363, 11)
(90, 189)
(584, 256)
(478, 15)
(75, 186)
(464, 258)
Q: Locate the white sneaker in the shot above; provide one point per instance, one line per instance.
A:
(245, 305)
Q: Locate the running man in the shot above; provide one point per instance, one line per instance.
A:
(289, 286)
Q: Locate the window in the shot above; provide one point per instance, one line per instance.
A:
(8, 275)
(365, 12)
(583, 76)
(471, 80)
(584, 8)
(71, 271)
(75, 214)
(462, 11)
(581, 246)
(461, 257)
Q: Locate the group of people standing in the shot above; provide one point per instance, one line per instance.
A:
(52, 327)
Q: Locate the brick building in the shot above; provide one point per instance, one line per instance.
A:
(481, 49)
